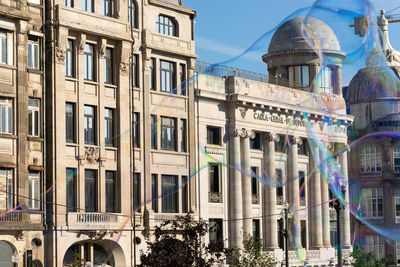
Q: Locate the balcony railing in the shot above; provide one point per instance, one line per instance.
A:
(96, 218)
(396, 173)
(11, 3)
(14, 216)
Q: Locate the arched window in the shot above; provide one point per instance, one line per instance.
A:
(166, 25)
(132, 13)
(396, 158)
(371, 160)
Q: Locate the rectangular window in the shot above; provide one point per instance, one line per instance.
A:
(111, 192)
(254, 185)
(152, 82)
(182, 78)
(215, 190)
(325, 77)
(90, 124)
(170, 193)
(6, 47)
(154, 131)
(136, 129)
(216, 234)
(185, 182)
(34, 117)
(135, 71)
(279, 187)
(136, 192)
(71, 187)
(183, 136)
(213, 135)
(154, 192)
(88, 60)
(397, 204)
(6, 189)
(34, 190)
(107, 8)
(298, 77)
(69, 3)
(70, 122)
(302, 148)
(303, 233)
(109, 126)
(280, 146)
(90, 190)
(333, 232)
(70, 58)
(33, 53)
(87, 5)
(302, 188)
(256, 230)
(6, 116)
(167, 77)
(168, 133)
(108, 65)
(255, 143)
(372, 202)
(374, 244)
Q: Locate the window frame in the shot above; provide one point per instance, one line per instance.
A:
(8, 175)
(182, 78)
(34, 52)
(91, 207)
(132, 14)
(34, 190)
(70, 58)
(89, 70)
(170, 199)
(168, 129)
(86, 7)
(87, 119)
(216, 234)
(136, 129)
(370, 161)
(107, 8)
(109, 65)
(154, 132)
(168, 77)
(135, 70)
(109, 127)
(154, 192)
(372, 202)
(6, 43)
(255, 170)
(34, 120)
(211, 140)
(137, 192)
(71, 199)
(70, 116)
(326, 79)
(166, 25)
(112, 204)
(214, 180)
(296, 76)
(7, 107)
(183, 133)
(152, 75)
(69, 3)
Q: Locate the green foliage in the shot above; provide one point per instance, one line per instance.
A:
(366, 259)
(181, 243)
(78, 262)
(252, 255)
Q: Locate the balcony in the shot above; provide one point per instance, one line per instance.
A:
(96, 220)
(20, 220)
(11, 3)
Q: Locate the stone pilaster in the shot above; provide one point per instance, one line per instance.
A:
(345, 223)
(326, 234)
(315, 205)
(294, 193)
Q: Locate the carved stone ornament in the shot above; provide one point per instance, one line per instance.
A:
(272, 137)
(60, 55)
(251, 134)
(124, 68)
(297, 140)
(82, 45)
(92, 154)
(102, 50)
(239, 132)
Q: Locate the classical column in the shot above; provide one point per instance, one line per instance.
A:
(270, 222)
(235, 189)
(345, 223)
(326, 231)
(315, 205)
(294, 194)
(246, 182)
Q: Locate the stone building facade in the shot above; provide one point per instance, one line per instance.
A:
(373, 100)
(261, 144)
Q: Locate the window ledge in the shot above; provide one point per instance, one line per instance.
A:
(72, 79)
(35, 71)
(90, 82)
(168, 94)
(172, 152)
(3, 65)
(111, 148)
(35, 138)
(214, 146)
(110, 85)
(71, 144)
(8, 136)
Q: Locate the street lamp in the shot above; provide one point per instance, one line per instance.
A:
(283, 230)
(337, 205)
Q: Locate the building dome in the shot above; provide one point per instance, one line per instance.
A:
(289, 36)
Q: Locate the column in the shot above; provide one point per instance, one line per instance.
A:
(270, 222)
(345, 223)
(294, 194)
(315, 193)
(235, 190)
(326, 231)
(246, 182)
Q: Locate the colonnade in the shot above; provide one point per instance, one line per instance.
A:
(318, 208)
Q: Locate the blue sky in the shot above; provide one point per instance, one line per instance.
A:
(226, 28)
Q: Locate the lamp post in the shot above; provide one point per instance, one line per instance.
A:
(337, 205)
(284, 231)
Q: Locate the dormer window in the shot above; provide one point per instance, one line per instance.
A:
(299, 77)
(166, 25)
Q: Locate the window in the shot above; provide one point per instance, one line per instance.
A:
(255, 142)
(135, 70)
(136, 129)
(169, 193)
(33, 53)
(132, 14)
(280, 146)
(70, 59)
(6, 116)
(70, 122)
(87, 5)
(90, 190)
(107, 8)
(34, 117)
(37, 2)
(185, 182)
(215, 193)
(254, 185)
(6, 189)
(302, 148)
(397, 204)
(6, 47)
(166, 25)
(71, 180)
(374, 244)
(213, 135)
(299, 77)
(372, 202)
(216, 234)
(69, 3)
(154, 192)
(256, 230)
(279, 187)
(111, 192)
(108, 64)
(182, 78)
(167, 77)
(396, 158)
(154, 131)
(90, 124)
(325, 77)
(183, 136)
(333, 232)
(88, 61)
(34, 190)
(168, 133)
(109, 126)
(302, 188)
(136, 192)
(398, 253)
(152, 82)
(371, 160)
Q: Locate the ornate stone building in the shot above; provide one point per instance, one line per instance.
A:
(261, 144)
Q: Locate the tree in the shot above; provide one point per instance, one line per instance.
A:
(181, 243)
(252, 255)
(366, 259)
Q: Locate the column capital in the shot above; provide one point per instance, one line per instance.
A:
(272, 137)
(251, 134)
(239, 132)
(296, 140)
